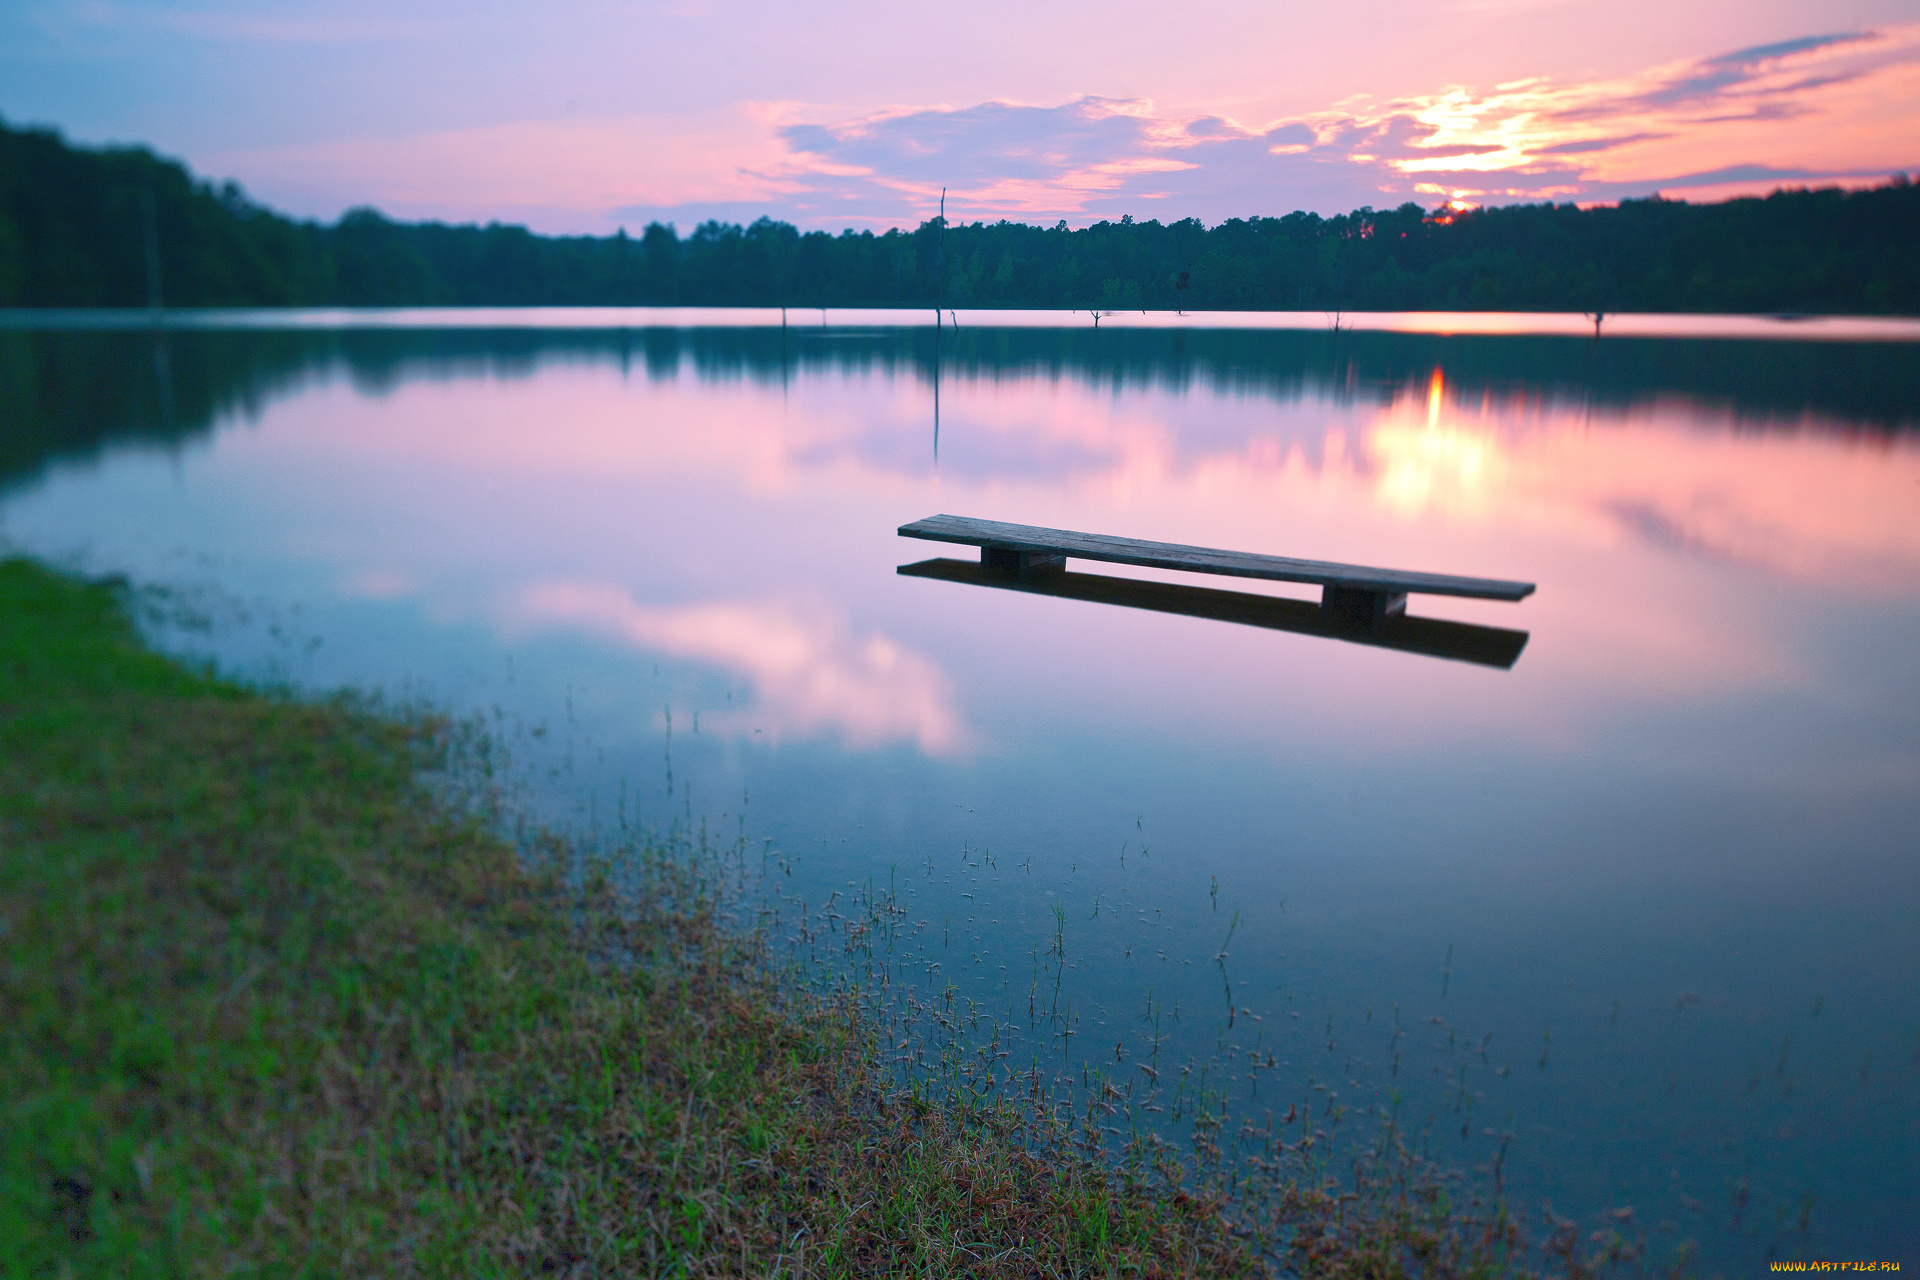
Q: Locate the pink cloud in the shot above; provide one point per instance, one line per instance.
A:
(1823, 108)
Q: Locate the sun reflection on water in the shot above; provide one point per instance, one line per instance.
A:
(1442, 464)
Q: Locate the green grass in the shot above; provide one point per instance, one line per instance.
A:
(273, 1006)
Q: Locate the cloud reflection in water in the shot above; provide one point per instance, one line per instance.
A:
(1800, 505)
(811, 674)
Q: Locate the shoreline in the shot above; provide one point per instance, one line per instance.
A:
(284, 1000)
(275, 1007)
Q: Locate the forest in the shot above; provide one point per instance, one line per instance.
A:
(122, 227)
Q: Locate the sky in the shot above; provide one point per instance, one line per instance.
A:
(589, 115)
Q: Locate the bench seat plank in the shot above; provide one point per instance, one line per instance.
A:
(997, 535)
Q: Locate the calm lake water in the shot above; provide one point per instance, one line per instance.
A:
(1647, 900)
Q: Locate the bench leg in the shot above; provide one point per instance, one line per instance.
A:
(1022, 564)
(1354, 606)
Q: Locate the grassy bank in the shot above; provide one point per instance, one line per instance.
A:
(272, 1006)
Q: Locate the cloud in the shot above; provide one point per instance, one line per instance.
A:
(1831, 107)
(1764, 53)
(1588, 145)
(986, 144)
(1823, 107)
(811, 675)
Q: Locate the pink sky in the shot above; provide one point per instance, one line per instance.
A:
(595, 114)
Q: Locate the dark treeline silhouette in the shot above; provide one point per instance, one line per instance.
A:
(71, 394)
(120, 227)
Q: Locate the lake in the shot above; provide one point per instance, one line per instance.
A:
(1634, 913)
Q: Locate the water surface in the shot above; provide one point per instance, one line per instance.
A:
(1645, 899)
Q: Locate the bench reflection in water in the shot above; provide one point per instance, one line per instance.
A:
(1434, 637)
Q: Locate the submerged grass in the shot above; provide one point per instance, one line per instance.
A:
(273, 1006)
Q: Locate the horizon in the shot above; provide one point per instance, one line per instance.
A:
(1896, 178)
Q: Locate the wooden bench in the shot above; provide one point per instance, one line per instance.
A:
(1350, 592)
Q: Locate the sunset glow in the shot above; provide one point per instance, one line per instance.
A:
(684, 112)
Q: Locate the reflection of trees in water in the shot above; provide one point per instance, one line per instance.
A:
(69, 394)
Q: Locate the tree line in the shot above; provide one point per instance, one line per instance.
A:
(122, 227)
